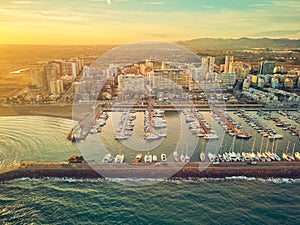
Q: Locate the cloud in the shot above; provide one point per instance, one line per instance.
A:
(274, 33)
(155, 3)
(24, 2)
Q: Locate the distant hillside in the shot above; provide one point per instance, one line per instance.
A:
(241, 43)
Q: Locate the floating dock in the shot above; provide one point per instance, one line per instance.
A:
(278, 121)
(82, 129)
(236, 131)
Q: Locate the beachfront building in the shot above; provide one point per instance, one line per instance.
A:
(170, 79)
(131, 85)
(226, 79)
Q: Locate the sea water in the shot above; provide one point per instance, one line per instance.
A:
(237, 200)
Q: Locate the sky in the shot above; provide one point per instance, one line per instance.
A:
(124, 21)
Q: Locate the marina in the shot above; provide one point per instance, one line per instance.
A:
(155, 128)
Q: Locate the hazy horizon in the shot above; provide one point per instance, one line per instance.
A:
(115, 22)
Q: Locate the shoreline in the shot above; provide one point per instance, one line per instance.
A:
(168, 170)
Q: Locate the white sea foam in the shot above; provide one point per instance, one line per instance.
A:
(145, 181)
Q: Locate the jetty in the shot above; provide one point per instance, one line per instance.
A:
(231, 126)
(167, 170)
(81, 130)
(282, 124)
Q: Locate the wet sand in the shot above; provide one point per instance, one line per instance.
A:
(153, 171)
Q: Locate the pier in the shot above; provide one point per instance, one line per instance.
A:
(203, 126)
(82, 129)
(255, 122)
(236, 131)
(278, 121)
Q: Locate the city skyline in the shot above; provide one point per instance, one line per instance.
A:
(122, 21)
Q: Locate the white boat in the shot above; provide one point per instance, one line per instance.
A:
(211, 136)
(163, 157)
(297, 156)
(182, 158)
(275, 136)
(161, 135)
(175, 156)
(211, 156)
(108, 158)
(148, 158)
(154, 158)
(151, 136)
(138, 157)
(94, 130)
(121, 137)
(202, 156)
(119, 158)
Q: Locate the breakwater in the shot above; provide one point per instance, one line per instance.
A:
(168, 170)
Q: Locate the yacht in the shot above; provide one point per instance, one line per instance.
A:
(211, 156)
(154, 158)
(182, 158)
(121, 137)
(151, 136)
(119, 158)
(138, 157)
(297, 156)
(275, 136)
(175, 156)
(202, 156)
(148, 158)
(211, 136)
(163, 157)
(108, 158)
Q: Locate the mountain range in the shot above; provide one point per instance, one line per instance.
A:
(240, 43)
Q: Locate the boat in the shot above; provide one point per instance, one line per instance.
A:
(182, 158)
(108, 158)
(71, 159)
(285, 155)
(151, 136)
(187, 158)
(211, 156)
(121, 137)
(211, 136)
(243, 135)
(162, 135)
(275, 136)
(138, 157)
(154, 158)
(202, 156)
(297, 156)
(148, 158)
(175, 156)
(119, 158)
(163, 157)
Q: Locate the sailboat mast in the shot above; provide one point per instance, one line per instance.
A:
(293, 149)
(253, 145)
(276, 146)
(232, 150)
(273, 145)
(261, 145)
(267, 145)
(287, 147)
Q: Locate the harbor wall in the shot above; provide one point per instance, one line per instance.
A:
(165, 171)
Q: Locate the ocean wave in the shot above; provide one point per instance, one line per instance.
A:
(146, 181)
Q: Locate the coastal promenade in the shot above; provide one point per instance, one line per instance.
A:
(168, 170)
